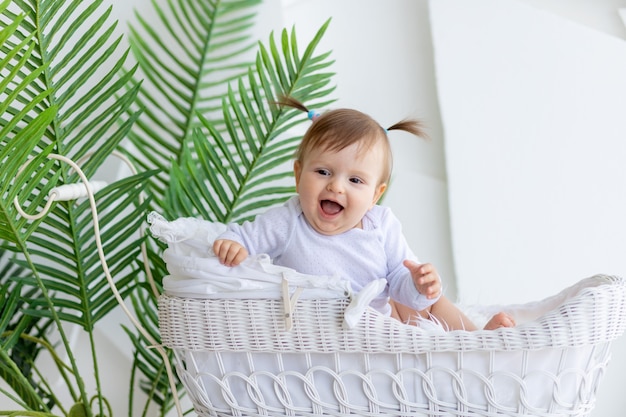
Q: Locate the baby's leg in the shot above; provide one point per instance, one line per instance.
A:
(443, 311)
(403, 313)
(500, 320)
(450, 316)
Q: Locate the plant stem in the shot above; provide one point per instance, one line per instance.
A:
(17, 373)
(96, 372)
(59, 324)
(61, 366)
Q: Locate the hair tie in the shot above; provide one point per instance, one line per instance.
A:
(313, 115)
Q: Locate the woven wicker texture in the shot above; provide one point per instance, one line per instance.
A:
(236, 358)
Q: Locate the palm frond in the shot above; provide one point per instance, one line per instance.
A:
(186, 61)
(72, 269)
(59, 84)
(16, 353)
(74, 45)
(74, 64)
(17, 139)
(65, 94)
(232, 176)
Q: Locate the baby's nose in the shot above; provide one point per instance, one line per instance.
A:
(335, 186)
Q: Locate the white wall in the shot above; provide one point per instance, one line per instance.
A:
(535, 150)
(385, 67)
(534, 146)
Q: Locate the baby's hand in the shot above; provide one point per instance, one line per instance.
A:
(425, 278)
(229, 252)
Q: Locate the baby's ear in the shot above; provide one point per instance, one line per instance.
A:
(297, 170)
(380, 190)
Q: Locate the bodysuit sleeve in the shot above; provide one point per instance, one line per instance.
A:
(401, 286)
(268, 233)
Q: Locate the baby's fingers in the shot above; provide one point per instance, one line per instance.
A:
(235, 255)
(431, 288)
(220, 249)
(425, 278)
(229, 253)
(420, 270)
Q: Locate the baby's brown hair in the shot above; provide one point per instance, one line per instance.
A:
(337, 129)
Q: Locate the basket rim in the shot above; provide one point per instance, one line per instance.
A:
(593, 311)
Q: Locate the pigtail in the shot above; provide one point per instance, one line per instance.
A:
(291, 102)
(412, 126)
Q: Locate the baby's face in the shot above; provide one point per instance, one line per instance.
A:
(337, 188)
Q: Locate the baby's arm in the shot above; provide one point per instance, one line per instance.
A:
(229, 252)
(425, 278)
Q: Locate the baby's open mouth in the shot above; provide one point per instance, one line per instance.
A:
(330, 207)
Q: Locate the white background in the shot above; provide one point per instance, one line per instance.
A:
(464, 205)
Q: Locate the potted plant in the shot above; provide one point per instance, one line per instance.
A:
(192, 116)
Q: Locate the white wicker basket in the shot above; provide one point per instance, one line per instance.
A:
(235, 358)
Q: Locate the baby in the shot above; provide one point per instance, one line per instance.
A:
(334, 226)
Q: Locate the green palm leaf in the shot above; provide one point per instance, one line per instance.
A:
(187, 61)
(74, 44)
(233, 176)
(16, 355)
(64, 92)
(18, 139)
(79, 65)
(73, 271)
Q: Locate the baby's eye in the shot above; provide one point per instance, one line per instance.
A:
(356, 180)
(323, 172)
